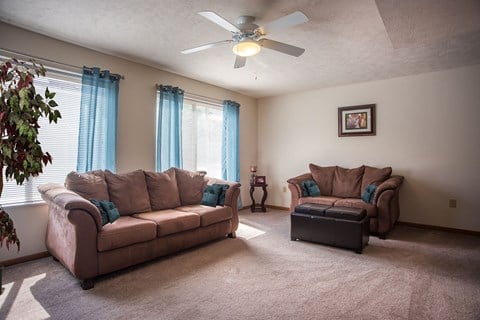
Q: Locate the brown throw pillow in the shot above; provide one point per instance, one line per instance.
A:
(162, 189)
(373, 175)
(128, 191)
(89, 185)
(347, 182)
(190, 186)
(323, 176)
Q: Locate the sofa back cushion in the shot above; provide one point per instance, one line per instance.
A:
(373, 175)
(323, 176)
(128, 191)
(347, 182)
(89, 185)
(190, 186)
(162, 189)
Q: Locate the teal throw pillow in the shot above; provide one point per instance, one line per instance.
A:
(223, 192)
(112, 211)
(211, 195)
(304, 190)
(107, 209)
(369, 193)
(310, 188)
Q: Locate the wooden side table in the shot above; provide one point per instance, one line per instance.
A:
(258, 207)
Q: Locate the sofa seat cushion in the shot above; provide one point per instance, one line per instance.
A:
(329, 201)
(358, 203)
(209, 215)
(171, 221)
(125, 231)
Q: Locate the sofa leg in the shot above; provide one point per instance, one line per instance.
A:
(232, 235)
(87, 284)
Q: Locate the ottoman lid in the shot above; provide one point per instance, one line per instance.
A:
(314, 209)
(346, 213)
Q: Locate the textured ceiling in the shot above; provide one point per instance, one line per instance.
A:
(346, 41)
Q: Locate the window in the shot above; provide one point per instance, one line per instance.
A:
(60, 140)
(202, 124)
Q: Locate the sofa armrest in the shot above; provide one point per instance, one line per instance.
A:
(231, 198)
(392, 183)
(68, 200)
(296, 183)
(299, 179)
(295, 187)
(73, 226)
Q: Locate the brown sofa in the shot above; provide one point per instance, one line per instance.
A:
(160, 213)
(344, 187)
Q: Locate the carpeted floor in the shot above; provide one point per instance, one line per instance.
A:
(415, 274)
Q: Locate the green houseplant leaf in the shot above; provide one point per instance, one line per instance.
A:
(21, 107)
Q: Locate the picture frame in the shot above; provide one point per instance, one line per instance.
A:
(259, 180)
(356, 121)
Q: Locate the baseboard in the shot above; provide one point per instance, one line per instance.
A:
(277, 207)
(426, 226)
(25, 258)
(269, 206)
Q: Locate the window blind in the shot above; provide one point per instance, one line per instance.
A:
(60, 140)
(202, 137)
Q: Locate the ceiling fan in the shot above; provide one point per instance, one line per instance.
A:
(249, 38)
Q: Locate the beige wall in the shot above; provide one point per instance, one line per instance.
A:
(427, 130)
(136, 122)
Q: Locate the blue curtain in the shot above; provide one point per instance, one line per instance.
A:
(230, 141)
(97, 139)
(169, 128)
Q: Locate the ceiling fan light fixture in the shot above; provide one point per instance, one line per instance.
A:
(246, 48)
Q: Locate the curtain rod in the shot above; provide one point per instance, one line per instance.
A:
(199, 98)
(204, 98)
(53, 61)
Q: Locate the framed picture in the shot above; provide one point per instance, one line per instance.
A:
(356, 121)
(260, 180)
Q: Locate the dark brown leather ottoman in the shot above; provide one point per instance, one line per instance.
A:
(337, 226)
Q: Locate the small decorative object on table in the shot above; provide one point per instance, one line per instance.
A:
(253, 170)
(259, 180)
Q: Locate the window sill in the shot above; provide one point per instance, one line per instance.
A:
(23, 205)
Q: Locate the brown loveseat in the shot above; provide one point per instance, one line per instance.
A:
(344, 187)
(160, 213)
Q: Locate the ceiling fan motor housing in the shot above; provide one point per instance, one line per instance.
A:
(248, 29)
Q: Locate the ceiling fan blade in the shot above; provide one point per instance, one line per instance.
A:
(205, 46)
(282, 47)
(215, 18)
(284, 22)
(240, 62)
